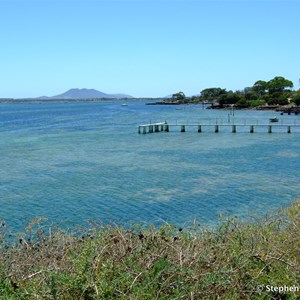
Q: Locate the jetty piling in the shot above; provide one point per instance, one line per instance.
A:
(270, 129)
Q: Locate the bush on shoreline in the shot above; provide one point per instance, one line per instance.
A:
(237, 260)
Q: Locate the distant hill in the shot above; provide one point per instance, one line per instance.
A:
(86, 94)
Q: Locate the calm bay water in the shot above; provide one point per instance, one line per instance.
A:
(73, 162)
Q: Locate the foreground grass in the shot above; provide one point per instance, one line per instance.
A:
(238, 260)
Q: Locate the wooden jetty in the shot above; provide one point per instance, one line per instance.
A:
(166, 127)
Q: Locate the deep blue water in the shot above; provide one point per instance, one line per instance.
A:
(74, 162)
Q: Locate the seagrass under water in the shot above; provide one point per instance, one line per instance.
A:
(71, 162)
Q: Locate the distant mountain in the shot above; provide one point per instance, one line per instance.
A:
(86, 94)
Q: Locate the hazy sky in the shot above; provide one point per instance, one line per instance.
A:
(145, 48)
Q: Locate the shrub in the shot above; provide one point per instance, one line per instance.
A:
(231, 261)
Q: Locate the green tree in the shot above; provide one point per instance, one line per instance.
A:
(278, 84)
(248, 90)
(296, 98)
(260, 87)
(212, 93)
(255, 103)
(180, 96)
(242, 103)
(251, 96)
(277, 98)
(230, 98)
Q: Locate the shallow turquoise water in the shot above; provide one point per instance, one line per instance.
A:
(74, 162)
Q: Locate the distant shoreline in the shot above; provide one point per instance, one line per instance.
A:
(43, 101)
(152, 101)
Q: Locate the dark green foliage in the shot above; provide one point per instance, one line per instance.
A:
(251, 96)
(260, 87)
(276, 91)
(178, 96)
(255, 103)
(212, 93)
(278, 84)
(230, 98)
(296, 98)
(242, 103)
(280, 98)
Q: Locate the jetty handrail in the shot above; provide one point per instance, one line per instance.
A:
(165, 126)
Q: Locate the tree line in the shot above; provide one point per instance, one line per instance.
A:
(277, 91)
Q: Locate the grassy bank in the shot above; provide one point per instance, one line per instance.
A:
(238, 260)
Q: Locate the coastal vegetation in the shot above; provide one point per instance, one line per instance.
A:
(277, 91)
(254, 259)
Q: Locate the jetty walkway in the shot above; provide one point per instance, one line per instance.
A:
(232, 127)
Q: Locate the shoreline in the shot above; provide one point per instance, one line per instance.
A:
(284, 109)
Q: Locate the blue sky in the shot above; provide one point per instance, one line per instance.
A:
(145, 48)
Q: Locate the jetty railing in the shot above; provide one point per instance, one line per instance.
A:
(220, 126)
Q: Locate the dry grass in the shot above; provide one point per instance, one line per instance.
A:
(109, 262)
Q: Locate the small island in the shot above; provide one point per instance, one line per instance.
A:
(275, 94)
